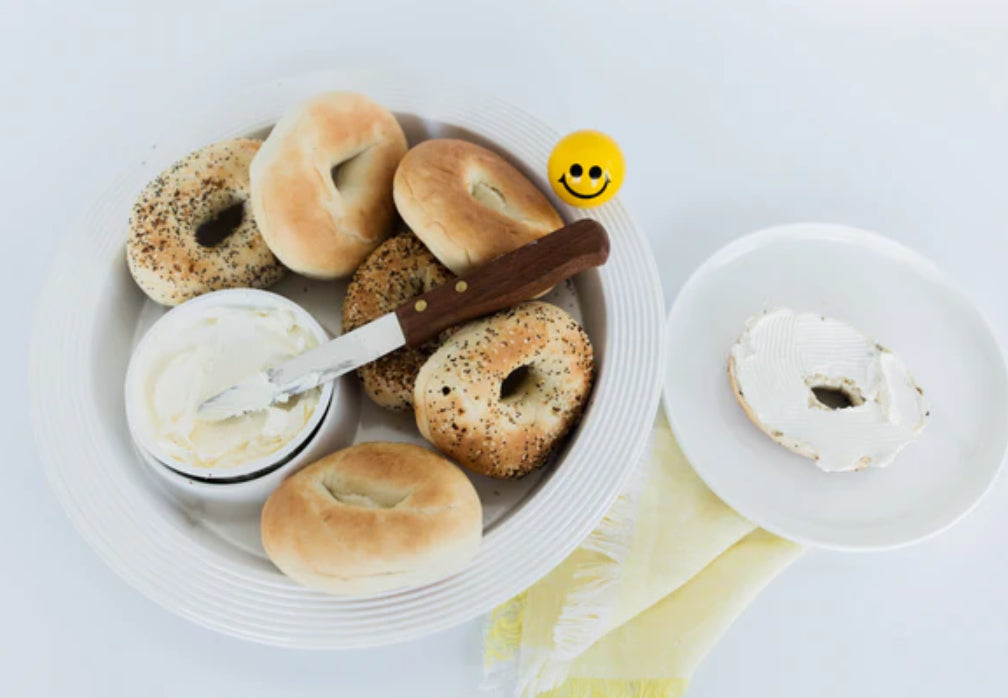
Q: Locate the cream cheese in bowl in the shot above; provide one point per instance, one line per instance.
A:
(202, 347)
(208, 353)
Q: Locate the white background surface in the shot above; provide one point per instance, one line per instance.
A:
(884, 114)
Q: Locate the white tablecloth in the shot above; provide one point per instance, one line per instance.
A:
(890, 115)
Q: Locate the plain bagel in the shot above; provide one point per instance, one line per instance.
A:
(468, 204)
(501, 393)
(372, 518)
(322, 181)
(190, 231)
(400, 269)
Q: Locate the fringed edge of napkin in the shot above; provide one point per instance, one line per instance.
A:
(584, 610)
(502, 643)
(592, 602)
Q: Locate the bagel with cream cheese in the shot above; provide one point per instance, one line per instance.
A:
(825, 390)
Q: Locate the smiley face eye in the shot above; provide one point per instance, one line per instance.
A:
(595, 172)
(576, 170)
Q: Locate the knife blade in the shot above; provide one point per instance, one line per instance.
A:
(509, 279)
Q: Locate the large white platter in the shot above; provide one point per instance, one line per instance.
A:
(896, 296)
(206, 564)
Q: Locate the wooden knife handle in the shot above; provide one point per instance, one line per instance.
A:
(505, 281)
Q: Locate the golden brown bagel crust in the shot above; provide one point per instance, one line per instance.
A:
(457, 395)
(371, 518)
(399, 269)
(162, 252)
(316, 226)
(468, 204)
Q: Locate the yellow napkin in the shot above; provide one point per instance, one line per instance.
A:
(639, 604)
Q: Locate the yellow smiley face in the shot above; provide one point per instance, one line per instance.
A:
(586, 168)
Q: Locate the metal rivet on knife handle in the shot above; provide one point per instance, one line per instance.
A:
(461, 286)
(420, 305)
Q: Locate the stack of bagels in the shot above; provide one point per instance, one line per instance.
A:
(333, 192)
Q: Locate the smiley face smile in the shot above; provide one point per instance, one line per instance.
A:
(563, 181)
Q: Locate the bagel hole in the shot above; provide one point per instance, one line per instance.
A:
(488, 195)
(834, 398)
(342, 172)
(343, 492)
(225, 222)
(514, 383)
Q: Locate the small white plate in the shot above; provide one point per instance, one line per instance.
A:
(896, 296)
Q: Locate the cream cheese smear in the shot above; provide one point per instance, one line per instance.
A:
(203, 355)
(826, 390)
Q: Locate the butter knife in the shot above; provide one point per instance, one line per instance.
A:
(505, 281)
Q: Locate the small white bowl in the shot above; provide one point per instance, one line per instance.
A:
(237, 478)
(335, 432)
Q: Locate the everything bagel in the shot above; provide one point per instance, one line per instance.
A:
(501, 393)
(190, 231)
(400, 268)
